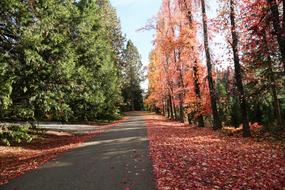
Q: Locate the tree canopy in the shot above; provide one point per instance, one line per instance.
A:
(63, 60)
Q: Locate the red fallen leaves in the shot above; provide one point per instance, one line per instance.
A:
(15, 161)
(192, 158)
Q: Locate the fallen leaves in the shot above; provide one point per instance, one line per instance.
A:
(15, 161)
(191, 158)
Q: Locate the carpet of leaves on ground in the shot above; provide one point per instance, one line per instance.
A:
(192, 158)
(16, 160)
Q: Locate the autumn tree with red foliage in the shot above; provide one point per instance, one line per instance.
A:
(177, 74)
(259, 44)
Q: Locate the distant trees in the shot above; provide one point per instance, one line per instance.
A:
(132, 77)
(60, 60)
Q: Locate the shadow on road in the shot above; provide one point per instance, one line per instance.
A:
(117, 159)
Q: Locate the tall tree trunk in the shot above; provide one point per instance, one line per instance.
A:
(238, 73)
(168, 108)
(181, 109)
(178, 113)
(278, 28)
(175, 111)
(181, 98)
(163, 109)
(181, 94)
(276, 105)
(171, 107)
(213, 93)
(180, 85)
(198, 92)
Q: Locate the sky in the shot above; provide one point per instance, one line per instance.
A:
(134, 15)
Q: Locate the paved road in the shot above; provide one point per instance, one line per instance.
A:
(115, 160)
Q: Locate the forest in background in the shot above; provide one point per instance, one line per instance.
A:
(185, 77)
(66, 61)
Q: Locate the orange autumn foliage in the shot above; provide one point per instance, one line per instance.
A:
(173, 60)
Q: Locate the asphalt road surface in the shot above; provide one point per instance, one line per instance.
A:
(115, 160)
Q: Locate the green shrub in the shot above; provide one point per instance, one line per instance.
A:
(15, 134)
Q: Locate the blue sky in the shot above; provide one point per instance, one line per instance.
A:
(134, 14)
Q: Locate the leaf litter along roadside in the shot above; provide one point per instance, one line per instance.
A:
(192, 158)
(16, 160)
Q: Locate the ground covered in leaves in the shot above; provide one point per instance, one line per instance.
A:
(192, 158)
(16, 160)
